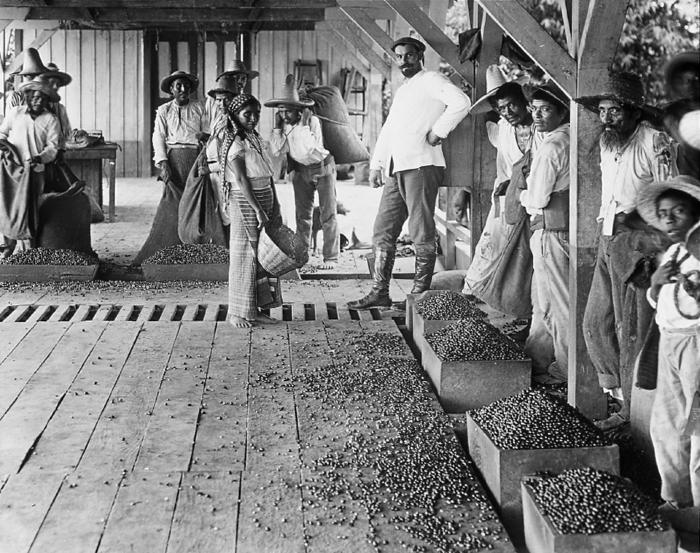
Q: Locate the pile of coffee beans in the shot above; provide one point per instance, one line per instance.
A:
(446, 305)
(48, 256)
(588, 501)
(534, 419)
(473, 340)
(186, 254)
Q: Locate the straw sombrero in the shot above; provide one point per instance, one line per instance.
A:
(620, 86)
(548, 91)
(31, 63)
(237, 66)
(225, 83)
(495, 79)
(682, 61)
(53, 72)
(167, 81)
(646, 198)
(290, 96)
(40, 85)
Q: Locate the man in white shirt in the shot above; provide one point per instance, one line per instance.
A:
(546, 201)
(35, 134)
(426, 107)
(297, 133)
(633, 155)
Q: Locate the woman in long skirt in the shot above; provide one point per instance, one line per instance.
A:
(246, 173)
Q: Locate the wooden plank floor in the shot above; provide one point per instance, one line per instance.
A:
(191, 436)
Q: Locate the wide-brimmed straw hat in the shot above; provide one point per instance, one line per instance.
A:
(237, 67)
(226, 83)
(53, 72)
(167, 81)
(31, 63)
(38, 84)
(683, 60)
(646, 197)
(620, 86)
(495, 79)
(290, 96)
(549, 92)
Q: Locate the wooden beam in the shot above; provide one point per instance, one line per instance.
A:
(599, 39)
(432, 35)
(584, 391)
(368, 25)
(37, 43)
(352, 35)
(19, 13)
(534, 40)
(180, 15)
(166, 4)
(333, 39)
(36, 24)
(565, 7)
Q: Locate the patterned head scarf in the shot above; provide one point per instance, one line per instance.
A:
(233, 128)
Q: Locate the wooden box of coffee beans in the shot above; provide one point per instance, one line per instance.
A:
(436, 309)
(528, 433)
(187, 262)
(589, 511)
(46, 264)
(471, 364)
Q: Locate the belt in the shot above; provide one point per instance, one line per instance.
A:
(182, 146)
(320, 165)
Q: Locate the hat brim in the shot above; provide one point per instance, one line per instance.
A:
(482, 105)
(44, 89)
(214, 91)
(167, 81)
(591, 102)
(251, 74)
(646, 198)
(684, 59)
(64, 78)
(277, 102)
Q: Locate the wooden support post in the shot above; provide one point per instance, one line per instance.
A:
(584, 391)
(369, 26)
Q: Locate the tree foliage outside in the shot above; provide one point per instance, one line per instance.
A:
(654, 31)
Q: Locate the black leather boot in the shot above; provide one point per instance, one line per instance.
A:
(425, 266)
(379, 295)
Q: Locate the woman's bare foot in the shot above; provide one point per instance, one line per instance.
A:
(239, 322)
(328, 265)
(263, 318)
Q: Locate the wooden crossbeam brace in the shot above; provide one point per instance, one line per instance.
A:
(599, 39)
(352, 35)
(332, 38)
(534, 40)
(12, 14)
(433, 35)
(41, 39)
(368, 25)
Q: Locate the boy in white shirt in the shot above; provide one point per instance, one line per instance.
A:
(674, 207)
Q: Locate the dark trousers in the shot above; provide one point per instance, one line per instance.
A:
(409, 195)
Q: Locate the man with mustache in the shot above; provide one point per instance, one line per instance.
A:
(633, 155)
(426, 107)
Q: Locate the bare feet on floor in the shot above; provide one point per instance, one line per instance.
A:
(328, 265)
(239, 322)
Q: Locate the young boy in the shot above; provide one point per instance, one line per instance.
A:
(673, 206)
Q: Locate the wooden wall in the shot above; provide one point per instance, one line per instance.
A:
(107, 89)
(274, 54)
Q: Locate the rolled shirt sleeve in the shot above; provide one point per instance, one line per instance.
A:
(457, 105)
(160, 132)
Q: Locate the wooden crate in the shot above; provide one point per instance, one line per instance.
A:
(45, 273)
(185, 271)
(463, 385)
(503, 469)
(541, 536)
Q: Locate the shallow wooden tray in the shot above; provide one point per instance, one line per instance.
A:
(45, 273)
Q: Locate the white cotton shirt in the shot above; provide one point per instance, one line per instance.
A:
(177, 125)
(549, 169)
(625, 171)
(427, 101)
(256, 158)
(32, 137)
(668, 316)
(304, 143)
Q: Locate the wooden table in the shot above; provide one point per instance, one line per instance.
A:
(86, 163)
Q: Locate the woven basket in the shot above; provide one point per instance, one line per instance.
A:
(280, 250)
